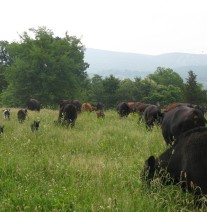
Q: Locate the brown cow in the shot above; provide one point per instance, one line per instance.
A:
(174, 105)
(140, 107)
(88, 107)
(131, 106)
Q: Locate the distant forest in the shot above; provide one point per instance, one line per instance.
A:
(50, 68)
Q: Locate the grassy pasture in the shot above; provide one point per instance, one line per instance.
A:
(95, 166)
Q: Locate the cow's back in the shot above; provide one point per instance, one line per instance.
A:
(184, 163)
(192, 148)
(179, 120)
(123, 109)
(33, 104)
(152, 114)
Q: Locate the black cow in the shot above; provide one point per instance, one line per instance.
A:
(6, 113)
(76, 103)
(35, 125)
(69, 115)
(184, 163)
(179, 120)
(21, 115)
(123, 109)
(33, 104)
(1, 129)
(152, 114)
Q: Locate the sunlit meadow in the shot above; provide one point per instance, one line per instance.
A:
(95, 166)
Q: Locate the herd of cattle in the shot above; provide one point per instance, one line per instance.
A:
(183, 128)
(32, 104)
(68, 112)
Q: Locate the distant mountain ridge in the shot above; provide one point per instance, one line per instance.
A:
(130, 65)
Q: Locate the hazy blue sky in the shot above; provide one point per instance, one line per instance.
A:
(140, 26)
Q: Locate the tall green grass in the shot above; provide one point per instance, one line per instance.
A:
(95, 166)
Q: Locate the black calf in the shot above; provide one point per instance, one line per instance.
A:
(21, 115)
(35, 126)
(1, 129)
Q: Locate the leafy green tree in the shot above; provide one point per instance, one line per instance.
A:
(193, 90)
(138, 91)
(148, 86)
(97, 89)
(45, 67)
(166, 76)
(4, 61)
(126, 91)
(164, 95)
(110, 86)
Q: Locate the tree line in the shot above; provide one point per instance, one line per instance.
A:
(49, 68)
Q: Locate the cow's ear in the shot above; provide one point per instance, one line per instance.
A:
(151, 162)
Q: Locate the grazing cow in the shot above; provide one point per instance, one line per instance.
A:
(69, 115)
(21, 115)
(6, 114)
(184, 163)
(132, 106)
(88, 107)
(100, 114)
(174, 105)
(33, 104)
(123, 109)
(140, 107)
(152, 114)
(1, 129)
(35, 125)
(76, 103)
(179, 120)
